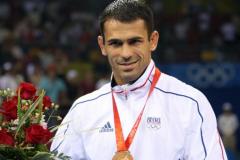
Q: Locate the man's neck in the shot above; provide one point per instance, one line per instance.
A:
(114, 83)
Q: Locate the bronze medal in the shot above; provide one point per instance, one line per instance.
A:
(122, 155)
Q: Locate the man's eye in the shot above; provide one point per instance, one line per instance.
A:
(115, 43)
(134, 41)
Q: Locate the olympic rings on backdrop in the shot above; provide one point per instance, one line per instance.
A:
(205, 75)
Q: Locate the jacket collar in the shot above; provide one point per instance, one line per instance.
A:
(139, 83)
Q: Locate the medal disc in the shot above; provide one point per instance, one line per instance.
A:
(123, 155)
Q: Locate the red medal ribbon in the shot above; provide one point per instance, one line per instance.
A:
(123, 145)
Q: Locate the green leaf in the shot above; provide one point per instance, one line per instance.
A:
(60, 156)
(2, 157)
(19, 110)
(40, 109)
(1, 118)
(42, 156)
(54, 128)
(29, 111)
(10, 153)
(41, 148)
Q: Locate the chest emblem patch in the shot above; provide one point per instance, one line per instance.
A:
(154, 122)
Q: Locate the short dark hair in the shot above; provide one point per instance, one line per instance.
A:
(127, 11)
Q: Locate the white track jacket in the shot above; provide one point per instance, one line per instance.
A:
(178, 122)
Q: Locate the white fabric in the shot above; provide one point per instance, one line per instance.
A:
(178, 123)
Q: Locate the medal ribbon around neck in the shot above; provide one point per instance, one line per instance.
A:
(123, 145)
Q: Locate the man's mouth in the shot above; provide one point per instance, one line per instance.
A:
(127, 63)
(128, 66)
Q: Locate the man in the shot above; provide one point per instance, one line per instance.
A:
(228, 125)
(142, 114)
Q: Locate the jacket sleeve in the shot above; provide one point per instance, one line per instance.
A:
(203, 141)
(68, 141)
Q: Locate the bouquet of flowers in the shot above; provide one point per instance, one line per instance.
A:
(24, 134)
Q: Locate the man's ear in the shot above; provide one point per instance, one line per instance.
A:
(101, 45)
(154, 40)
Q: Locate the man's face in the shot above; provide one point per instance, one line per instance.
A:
(128, 48)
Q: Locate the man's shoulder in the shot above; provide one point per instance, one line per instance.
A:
(173, 85)
(88, 107)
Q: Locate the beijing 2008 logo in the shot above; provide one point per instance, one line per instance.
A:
(206, 75)
(154, 122)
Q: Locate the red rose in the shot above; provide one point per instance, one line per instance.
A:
(36, 134)
(28, 90)
(6, 138)
(46, 102)
(10, 108)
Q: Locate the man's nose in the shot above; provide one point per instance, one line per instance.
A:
(126, 51)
